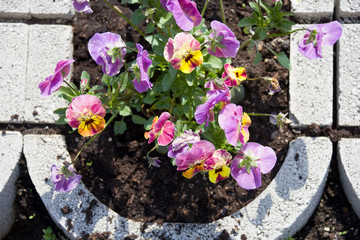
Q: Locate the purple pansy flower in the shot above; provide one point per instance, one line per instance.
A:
(181, 143)
(321, 34)
(64, 178)
(142, 83)
(53, 82)
(224, 43)
(235, 124)
(204, 112)
(253, 159)
(108, 50)
(185, 13)
(82, 6)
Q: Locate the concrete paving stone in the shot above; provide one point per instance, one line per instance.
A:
(46, 9)
(313, 9)
(349, 170)
(48, 44)
(278, 212)
(311, 85)
(13, 48)
(349, 76)
(349, 8)
(15, 8)
(11, 144)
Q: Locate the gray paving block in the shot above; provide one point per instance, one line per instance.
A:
(48, 44)
(349, 8)
(13, 49)
(51, 9)
(349, 76)
(311, 85)
(278, 212)
(349, 170)
(14, 8)
(10, 152)
(313, 9)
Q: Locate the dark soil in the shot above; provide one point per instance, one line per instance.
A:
(119, 175)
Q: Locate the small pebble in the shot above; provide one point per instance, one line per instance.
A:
(191, 185)
(77, 140)
(110, 139)
(327, 229)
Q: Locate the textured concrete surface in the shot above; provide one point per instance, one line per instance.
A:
(349, 76)
(349, 8)
(51, 9)
(13, 45)
(311, 85)
(14, 8)
(280, 210)
(10, 151)
(313, 10)
(349, 169)
(48, 44)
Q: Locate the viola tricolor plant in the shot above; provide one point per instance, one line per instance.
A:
(186, 77)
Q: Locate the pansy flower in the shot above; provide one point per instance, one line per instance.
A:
(233, 76)
(183, 52)
(142, 82)
(217, 165)
(86, 113)
(321, 34)
(223, 41)
(181, 143)
(53, 82)
(192, 160)
(82, 6)
(252, 160)
(235, 124)
(185, 13)
(162, 129)
(64, 178)
(108, 50)
(204, 112)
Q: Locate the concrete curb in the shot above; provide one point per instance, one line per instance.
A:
(349, 170)
(278, 212)
(11, 144)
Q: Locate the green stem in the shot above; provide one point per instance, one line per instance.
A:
(260, 14)
(125, 18)
(287, 33)
(272, 51)
(93, 137)
(261, 114)
(222, 11)
(204, 8)
(246, 43)
(75, 90)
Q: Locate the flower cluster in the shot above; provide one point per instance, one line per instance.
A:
(188, 79)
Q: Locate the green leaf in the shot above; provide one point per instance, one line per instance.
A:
(148, 124)
(62, 120)
(125, 111)
(85, 75)
(254, 6)
(119, 127)
(283, 60)
(138, 120)
(67, 91)
(60, 111)
(213, 62)
(247, 21)
(129, 1)
(125, 80)
(156, 44)
(167, 81)
(257, 58)
(261, 33)
(137, 16)
(150, 28)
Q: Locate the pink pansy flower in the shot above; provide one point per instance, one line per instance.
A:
(235, 124)
(254, 159)
(108, 50)
(53, 82)
(321, 34)
(82, 6)
(86, 114)
(162, 129)
(233, 76)
(185, 13)
(181, 143)
(217, 165)
(204, 112)
(183, 52)
(224, 43)
(142, 83)
(64, 178)
(192, 160)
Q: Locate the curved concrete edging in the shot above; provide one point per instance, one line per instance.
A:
(349, 170)
(11, 144)
(278, 212)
